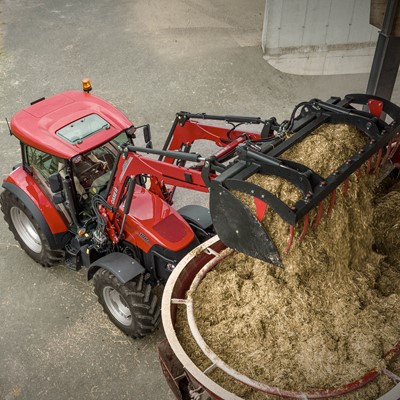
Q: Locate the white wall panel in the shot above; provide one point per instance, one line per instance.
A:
(316, 23)
(340, 22)
(292, 23)
(314, 28)
(272, 22)
(360, 30)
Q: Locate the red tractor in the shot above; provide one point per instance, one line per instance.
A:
(84, 195)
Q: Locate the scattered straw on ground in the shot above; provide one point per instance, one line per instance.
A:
(331, 314)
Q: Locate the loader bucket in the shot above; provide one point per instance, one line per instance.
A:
(236, 225)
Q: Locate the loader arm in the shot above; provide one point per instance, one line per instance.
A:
(130, 165)
(170, 168)
(130, 169)
(188, 128)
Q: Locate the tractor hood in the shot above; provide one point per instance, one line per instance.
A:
(151, 222)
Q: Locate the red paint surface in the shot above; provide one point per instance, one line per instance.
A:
(261, 208)
(36, 125)
(375, 107)
(24, 181)
(152, 221)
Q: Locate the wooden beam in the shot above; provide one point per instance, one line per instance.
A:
(377, 14)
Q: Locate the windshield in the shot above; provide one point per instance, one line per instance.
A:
(78, 130)
(92, 169)
(118, 140)
(106, 152)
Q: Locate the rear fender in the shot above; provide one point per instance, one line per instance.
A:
(123, 267)
(22, 186)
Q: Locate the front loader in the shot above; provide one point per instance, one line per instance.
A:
(85, 194)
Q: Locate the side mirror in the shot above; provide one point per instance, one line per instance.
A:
(55, 182)
(147, 136)
(130, 132)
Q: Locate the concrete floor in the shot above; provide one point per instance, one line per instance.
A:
(149, 58)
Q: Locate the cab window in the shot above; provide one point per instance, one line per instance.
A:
(92, 170)
(118, 140)
(84, 127)
(42, 163)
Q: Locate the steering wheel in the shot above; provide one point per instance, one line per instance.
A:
(94, 166)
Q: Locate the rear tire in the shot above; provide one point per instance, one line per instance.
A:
(27, 231)
(133, 307)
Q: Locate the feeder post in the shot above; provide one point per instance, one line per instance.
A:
(386, 62)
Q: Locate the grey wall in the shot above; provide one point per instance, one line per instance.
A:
(314, 35)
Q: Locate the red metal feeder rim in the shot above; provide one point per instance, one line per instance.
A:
(217, 362)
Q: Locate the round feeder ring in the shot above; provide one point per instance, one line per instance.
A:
(179, 292)
(217, 362)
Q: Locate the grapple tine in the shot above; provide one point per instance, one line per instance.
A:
(331, 202)
(290, 240)
(319, 215)
(369, 165)
(305, 227)
(345, 187)
(238, 228)
(396, 147)
(378, 160)
(388, 151)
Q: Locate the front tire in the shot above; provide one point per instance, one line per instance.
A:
(133, 307)
(27, 231)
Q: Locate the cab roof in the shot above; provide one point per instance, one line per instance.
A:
(38, 124)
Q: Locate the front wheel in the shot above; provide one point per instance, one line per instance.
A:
(27, 231)
(133, 307)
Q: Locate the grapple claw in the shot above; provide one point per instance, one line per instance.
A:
(240, 229)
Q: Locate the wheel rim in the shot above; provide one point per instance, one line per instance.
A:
(117, 306)
(26, 230)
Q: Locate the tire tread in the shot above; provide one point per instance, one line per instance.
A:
(47, 257)
(140, 300)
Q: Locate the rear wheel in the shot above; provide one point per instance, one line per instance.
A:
(133, 307)
(27, 231)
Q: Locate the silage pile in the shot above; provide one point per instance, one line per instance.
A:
(331, 314)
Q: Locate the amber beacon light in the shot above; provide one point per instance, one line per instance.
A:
(86, 85)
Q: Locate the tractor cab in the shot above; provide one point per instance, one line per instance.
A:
(91, 171)
(73, 134)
